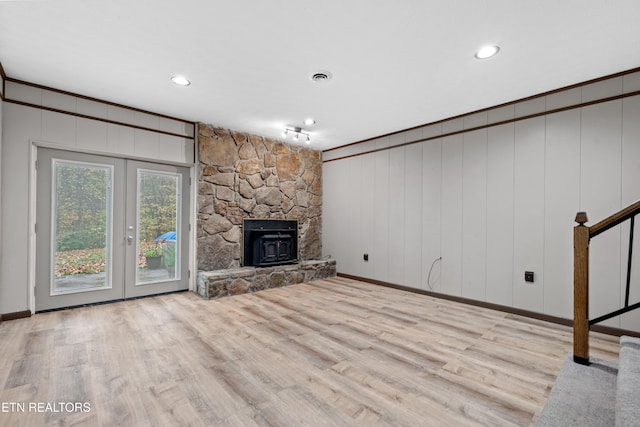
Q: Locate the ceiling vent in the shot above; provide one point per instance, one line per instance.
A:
(321, 76)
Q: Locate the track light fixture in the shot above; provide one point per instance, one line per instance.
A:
(297, 132)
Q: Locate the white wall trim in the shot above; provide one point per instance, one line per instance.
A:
(31, 261)
(45, 144)
(193, 231)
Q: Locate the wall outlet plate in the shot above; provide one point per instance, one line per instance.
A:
(528, 276)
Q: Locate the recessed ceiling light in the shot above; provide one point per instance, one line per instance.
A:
(309, 122)
(487, 52)
(321, 76)
(180, 80)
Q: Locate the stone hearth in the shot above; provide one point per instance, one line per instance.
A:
(234, 281)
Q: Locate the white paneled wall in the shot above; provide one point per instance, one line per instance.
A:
(451, 211)
(474, 214)
(601, 191)
(494, 203)
(98, 135)
(367, 214)
(352, 213)
(333, 208)
(380, 250)
(412, 261)
(431, 214)
(67, 102)
(396, 203)
(500, 217)
(15, 204)
(562, 179)
(528, 215)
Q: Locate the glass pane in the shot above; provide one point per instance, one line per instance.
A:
(158, 227)
(81, 225)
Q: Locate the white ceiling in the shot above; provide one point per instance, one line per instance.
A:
(396, 64)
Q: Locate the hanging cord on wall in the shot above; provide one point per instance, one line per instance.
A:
(430, 270)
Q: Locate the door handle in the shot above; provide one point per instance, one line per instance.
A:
(130, 237)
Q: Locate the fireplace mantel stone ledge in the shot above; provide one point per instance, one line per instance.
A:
(235, 281)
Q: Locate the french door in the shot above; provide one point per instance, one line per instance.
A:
(108, 229)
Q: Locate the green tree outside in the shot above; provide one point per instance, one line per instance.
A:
(81, 213)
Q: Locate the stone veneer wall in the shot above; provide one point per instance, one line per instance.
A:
(247, 176)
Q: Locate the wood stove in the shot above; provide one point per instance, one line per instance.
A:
(268, 242)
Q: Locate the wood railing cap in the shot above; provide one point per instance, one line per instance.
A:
(581, 218)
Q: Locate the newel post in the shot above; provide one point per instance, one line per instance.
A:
(581, 290)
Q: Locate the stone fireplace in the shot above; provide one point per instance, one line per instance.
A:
(246, 177)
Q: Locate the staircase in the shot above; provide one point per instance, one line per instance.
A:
(599, 394)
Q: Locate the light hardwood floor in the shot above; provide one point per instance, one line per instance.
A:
(333, 352)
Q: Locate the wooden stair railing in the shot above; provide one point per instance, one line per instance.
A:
(582, 235)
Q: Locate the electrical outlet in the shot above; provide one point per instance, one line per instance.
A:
(528, 276)
(366, 257)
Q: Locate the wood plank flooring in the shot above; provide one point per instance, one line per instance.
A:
(334, 352)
